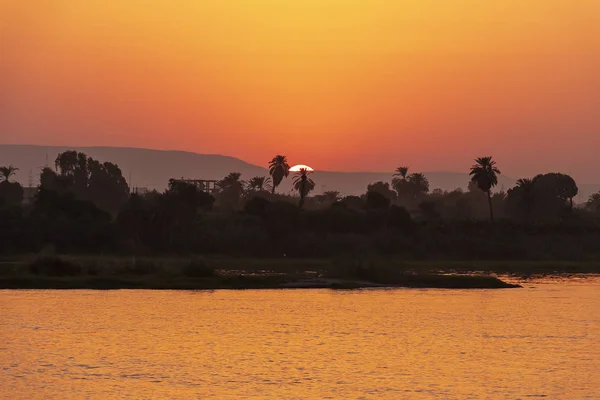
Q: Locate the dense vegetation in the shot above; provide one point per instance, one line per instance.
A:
(85, 206)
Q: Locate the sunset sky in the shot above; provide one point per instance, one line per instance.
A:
(337, 84)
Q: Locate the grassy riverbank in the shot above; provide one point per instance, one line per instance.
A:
(108, 264)
(111, 272)
(242, 282)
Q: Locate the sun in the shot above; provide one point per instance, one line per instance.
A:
(298, 167)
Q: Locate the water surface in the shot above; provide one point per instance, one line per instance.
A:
(539, 341)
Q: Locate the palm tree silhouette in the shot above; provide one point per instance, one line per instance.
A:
(7, 172)
(401, 173)
(484, 173)
(231, 190)
(419, 184)
(259, 183)
(399, 180)
(278, 169)
(525, 183)
(232, 179)
(303, 184)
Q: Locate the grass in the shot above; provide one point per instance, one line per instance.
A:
(113, 272)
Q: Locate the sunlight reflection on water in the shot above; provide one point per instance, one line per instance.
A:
(543, 340)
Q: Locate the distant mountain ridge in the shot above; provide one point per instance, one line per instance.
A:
(152, 169)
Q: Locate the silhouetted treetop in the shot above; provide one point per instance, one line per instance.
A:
(303, 184)
(593, 203)
(383, 188)
(278, 169)
(418, 184)
(7, 172)
(87, 179)
(377, 201)
(558, 185)
(259, 184)
(231, 190)
(328, 198)
(10, 192)
(484, 173)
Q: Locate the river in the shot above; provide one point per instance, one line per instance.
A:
(539, 341)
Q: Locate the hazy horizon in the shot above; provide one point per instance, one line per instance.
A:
(177, 150)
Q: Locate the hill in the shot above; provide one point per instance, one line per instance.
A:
(153, 168)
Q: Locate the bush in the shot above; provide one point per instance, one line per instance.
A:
(343, 268)
(54, 266)
(257, 206)
(377, 201)
(366, 271)
(198, 269)
(144, 267)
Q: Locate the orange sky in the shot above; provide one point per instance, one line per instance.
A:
(336, 84)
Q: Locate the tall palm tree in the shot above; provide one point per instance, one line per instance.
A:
(278, 169)
(259, 183)
(401, 172)
(484, 173)
(303, 184)
(7, 172)
(419, 184)
(399, 182)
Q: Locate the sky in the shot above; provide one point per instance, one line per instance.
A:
(345, 85)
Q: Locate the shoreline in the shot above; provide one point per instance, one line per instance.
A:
(105, 272)
(429, 281)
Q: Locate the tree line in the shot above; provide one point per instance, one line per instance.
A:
(84, 205)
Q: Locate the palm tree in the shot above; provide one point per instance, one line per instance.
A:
(525, 183)
(399, 179)
(7, 172)
(231, 189)
(303, 184)
(419, 184)
(233, 179)
(259, 183)
(484, 173)
(278, 169)
(401, 172)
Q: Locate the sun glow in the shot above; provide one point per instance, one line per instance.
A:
(297, 168)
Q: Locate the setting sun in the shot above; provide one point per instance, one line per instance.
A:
(299, 167)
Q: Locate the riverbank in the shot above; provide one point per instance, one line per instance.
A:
(110, 264)
(247, 282)
(196, 273)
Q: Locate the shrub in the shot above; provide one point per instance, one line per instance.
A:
(198, 268)
(144, 267)
(54, 266)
